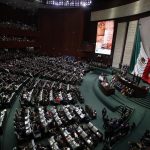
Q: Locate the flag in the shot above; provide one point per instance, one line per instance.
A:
(140, 63)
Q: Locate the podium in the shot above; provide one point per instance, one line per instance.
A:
(106, 89)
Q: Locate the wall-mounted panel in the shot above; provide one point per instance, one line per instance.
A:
(129, 42)
(120, 37)
(144, 24)
(135, 8)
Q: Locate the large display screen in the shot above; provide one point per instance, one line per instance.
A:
(104, 37)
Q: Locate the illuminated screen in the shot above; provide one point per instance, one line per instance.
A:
(105, 30)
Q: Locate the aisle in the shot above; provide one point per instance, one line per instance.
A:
(9, 139)
(87, 90)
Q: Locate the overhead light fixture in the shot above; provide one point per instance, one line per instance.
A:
(72, 3)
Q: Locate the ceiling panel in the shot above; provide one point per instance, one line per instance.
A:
(96, 5)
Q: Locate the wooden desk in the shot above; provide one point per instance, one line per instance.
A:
(106, 89)
(138, 91)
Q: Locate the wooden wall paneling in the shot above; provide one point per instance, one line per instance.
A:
(61, 30)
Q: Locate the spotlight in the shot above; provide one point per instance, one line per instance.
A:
(83, 4)
(72, 3)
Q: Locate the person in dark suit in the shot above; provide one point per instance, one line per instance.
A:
(104, 112)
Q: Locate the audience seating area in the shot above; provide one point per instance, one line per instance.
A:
(14, 38)
(47, 92)
(52, 113)
(17, 25)
(62, 126)
(49, 96)
(3, 115)
(10, 84)
(12, 55)
(48, 67)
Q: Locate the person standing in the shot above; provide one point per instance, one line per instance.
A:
(104, 112)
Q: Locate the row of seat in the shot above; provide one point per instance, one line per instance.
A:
(10, 84)
(16, 39)
(98, 65)
(46, 92)
(76, 137)
(37, 122)
(3, 115)
(55, 68)
(17, 25)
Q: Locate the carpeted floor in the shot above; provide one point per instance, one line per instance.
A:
(95, 99)
(140, 115)
(8, 138)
